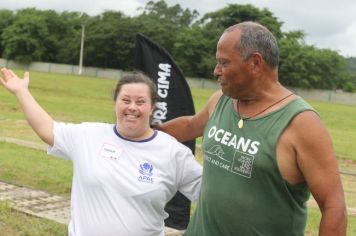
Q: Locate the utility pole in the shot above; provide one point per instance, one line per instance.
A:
(81, 50)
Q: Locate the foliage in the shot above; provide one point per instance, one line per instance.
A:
(351, 68)
(305, 66)
(69, 36)
(35, 35)
(6, 19)
(174, 14)
(162, 23)
(236, 13)
(22, 39)
(351, 64)
(110, 41)
(194, 51)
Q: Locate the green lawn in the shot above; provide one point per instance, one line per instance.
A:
(341, 122)
(314, 219)
(14, 223)
(33, 168)
(76, 99)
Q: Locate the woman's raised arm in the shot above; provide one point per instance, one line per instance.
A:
(38, 118)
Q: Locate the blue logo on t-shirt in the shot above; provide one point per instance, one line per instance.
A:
(146, 169)
(146, 172)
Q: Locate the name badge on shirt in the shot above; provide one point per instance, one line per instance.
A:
(110, 151)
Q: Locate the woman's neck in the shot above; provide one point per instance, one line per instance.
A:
(135, 135)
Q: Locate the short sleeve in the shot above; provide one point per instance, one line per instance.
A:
(65, 136)
(189, 173)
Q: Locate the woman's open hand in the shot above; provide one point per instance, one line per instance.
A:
(12, 82)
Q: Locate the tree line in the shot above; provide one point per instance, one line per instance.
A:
(30, 35)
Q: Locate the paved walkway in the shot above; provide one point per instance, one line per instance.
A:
(34, 145)
(37, 203)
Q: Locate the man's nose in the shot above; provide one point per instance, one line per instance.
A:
(217, 70)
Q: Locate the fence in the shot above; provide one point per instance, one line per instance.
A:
(312, 94)
(63, 69)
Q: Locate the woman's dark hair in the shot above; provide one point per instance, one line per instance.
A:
(137, 77)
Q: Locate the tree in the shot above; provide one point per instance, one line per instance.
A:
(162, 23)
(202, 43)
(34, 35)
(195, 47)
(194, 51)
(69, 44)
(305, 66)
(6, 19)
(351, 68)
(110, 41)
(236, 13)
(64, 32)
(23, 40)
(174, 14)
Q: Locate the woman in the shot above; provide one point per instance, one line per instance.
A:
(124, 174)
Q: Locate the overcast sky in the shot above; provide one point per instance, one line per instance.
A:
(327, 23)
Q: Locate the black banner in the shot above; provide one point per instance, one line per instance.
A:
(175, 99)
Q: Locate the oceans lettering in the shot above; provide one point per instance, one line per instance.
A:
(231, 140)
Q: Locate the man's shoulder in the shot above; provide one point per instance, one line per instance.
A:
(213, 101)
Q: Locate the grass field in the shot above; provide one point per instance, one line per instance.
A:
(76, 99)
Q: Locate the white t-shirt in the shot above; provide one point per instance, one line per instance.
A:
(120, 187)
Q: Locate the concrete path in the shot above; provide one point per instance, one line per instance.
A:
(24, 143)
(35, 202)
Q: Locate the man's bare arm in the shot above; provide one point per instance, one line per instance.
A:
(317, 161)
(186, 128)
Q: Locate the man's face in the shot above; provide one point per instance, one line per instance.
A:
(230, 69)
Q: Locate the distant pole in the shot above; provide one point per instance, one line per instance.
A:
(81, 51)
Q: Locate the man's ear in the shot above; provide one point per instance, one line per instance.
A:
(256, 62)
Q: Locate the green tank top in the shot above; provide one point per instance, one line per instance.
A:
(243, 192)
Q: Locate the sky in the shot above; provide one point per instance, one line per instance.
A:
(327, 23)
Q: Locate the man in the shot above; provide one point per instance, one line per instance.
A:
(264, 148)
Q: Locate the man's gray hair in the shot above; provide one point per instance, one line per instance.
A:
(256, 38)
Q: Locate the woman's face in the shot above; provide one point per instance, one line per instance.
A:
(133, 107)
